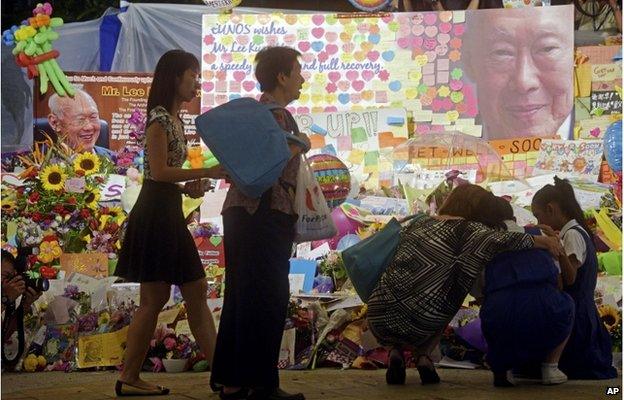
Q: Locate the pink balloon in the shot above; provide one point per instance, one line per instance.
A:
(344, 224)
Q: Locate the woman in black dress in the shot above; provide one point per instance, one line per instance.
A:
(158, 250)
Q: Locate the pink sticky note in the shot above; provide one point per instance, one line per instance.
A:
(381, 96)
(429, 80)
(344, 143)
(443, 64)
(443, 77)
(428, 69)
(221, 86)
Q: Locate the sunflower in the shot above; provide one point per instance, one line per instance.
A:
(91, 198)
(117, 214)
(8, 206)
(87, 163)
(609, 315)
(53, 177)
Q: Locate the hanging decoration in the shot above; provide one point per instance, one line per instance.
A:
(32, 42)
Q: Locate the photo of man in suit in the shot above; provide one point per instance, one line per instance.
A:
(77, 121)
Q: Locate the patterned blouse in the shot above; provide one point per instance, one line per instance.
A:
(176, 141)
(435, 266)
(283, 195)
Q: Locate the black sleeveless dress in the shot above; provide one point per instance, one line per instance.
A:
(158, 246)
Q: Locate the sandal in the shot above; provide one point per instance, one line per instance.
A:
(126, 389)
(395, 375)
(427, 375)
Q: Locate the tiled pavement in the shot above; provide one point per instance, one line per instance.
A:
(320, 384)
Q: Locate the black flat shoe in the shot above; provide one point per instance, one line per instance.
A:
(239, 394)
(501, 380)
(428, 375)
(275, 394)
(125, 389)
(395, 375)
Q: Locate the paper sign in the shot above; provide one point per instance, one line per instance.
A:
(570, 158)
(211, 251)
(307, 268)
(91, 264)
(102, 350)
(296, 282)
(113, 188)
(606, 72)
(212, 205)
(85, 283)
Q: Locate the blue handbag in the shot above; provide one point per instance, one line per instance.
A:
(248, 142)
(367, 260)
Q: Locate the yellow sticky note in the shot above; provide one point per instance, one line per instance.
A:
(356, 156)
(415, 76)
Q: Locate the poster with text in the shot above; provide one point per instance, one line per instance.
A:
(462, 70)
(97, 117)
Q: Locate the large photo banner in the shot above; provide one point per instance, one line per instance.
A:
(495, 74)
(98, 117)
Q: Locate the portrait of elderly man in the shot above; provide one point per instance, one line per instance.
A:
(521, 62)
(77, 120)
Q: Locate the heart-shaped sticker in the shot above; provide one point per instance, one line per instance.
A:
(318, 32)
(334, 76)
(367, 75)
(216, 240)
(239, 76)
(352, 75)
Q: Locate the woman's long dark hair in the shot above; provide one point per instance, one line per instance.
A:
(173, 64)
(562, 194)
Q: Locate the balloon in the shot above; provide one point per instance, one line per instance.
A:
(613, 146)
(333, 178)
(344, 224)
(471, 333)
(347, 241)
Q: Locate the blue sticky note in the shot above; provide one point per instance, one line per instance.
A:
(317, 129)
(329, 149)
(400, 121)
(305, 267)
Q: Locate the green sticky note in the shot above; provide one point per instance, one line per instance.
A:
(371, 158)
(358, 135)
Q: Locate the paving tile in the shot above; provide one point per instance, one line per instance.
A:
(320, 384)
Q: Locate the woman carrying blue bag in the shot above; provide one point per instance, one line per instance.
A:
(258, 238)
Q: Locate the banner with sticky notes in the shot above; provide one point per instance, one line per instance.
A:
(416, 61)
(357, 137)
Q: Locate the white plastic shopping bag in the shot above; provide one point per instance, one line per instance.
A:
(314, 222)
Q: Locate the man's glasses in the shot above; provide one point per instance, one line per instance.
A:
(80, 122)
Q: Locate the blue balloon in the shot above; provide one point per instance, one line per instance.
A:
(347, 241)
(613, 146)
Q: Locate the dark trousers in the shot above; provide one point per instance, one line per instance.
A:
(257, 250)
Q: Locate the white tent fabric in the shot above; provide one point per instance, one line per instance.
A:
(149, 30)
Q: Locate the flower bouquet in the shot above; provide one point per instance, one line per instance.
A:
(55, 209)
(333, 266)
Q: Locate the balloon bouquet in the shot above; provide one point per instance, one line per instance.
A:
(32, 42)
